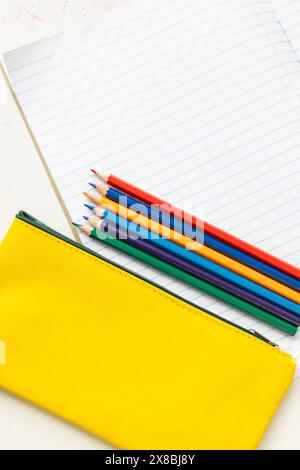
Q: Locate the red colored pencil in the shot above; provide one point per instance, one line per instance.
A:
(150, 199)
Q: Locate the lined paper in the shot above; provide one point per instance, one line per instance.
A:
(288, 13)
(191, 101)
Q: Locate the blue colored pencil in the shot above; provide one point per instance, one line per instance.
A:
(202, 262)
(212, 242)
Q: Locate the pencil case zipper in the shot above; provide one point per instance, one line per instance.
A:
(25, 217)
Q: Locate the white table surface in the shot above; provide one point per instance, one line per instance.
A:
(24, 185)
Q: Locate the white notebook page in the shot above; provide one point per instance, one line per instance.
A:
(193, 102)
(270, 18)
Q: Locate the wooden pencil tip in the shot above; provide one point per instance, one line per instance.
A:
(84, 228)
(100, 211)
(101, 175)
(102, 189)
(89, 206)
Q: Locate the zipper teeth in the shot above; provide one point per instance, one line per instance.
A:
(27, 218)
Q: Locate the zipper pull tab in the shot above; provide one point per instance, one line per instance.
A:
(266, 340)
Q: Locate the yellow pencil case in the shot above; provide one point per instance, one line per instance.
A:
(124, 359)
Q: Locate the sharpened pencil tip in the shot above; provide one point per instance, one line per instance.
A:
(76, 225)
(89, 207)
(93, 185)
(85, 217)
(100, 174)
(86, 193)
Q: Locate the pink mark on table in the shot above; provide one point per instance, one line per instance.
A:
(110, 6)
(34, 18)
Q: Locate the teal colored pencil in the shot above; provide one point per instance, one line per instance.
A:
(189, 279)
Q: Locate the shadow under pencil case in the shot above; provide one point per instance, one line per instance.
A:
(124, 359)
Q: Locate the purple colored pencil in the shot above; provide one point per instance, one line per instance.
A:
(153, 250)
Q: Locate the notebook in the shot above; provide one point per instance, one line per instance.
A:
(195, 102)
(288, 14)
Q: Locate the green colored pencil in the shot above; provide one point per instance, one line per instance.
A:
(190, 279)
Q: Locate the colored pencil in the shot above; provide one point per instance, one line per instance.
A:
(202, 262)
(212, 242)
(136, 249)
(198, 248)
(196, 271)
(150, 199)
